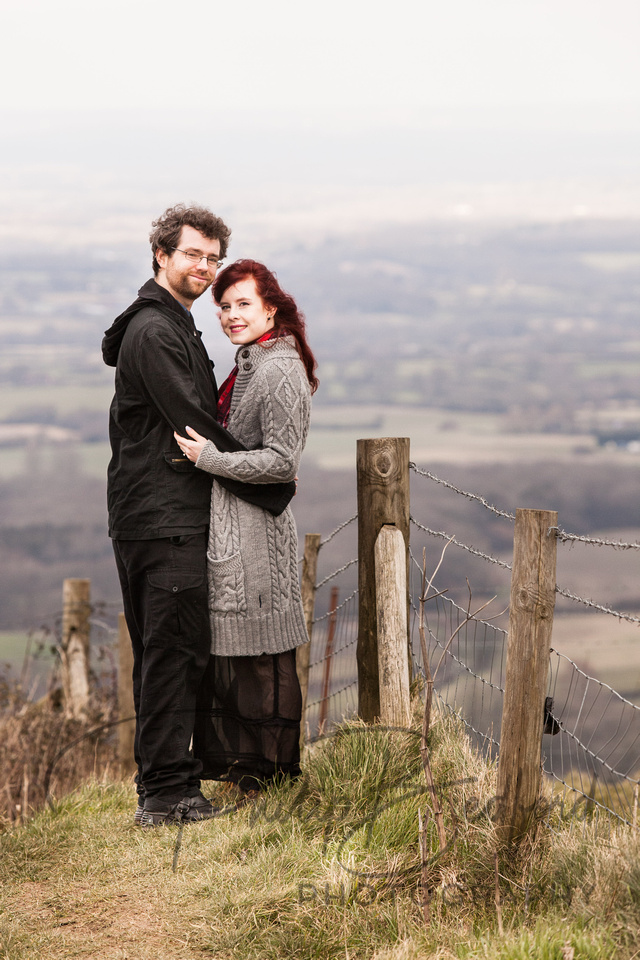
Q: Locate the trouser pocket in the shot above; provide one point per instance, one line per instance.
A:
(177, 604)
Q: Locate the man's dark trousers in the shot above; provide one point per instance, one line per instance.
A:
(164, 588)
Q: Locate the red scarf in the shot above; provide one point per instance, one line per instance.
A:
(226, 390)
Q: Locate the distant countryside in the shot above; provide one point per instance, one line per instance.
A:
(510, 355)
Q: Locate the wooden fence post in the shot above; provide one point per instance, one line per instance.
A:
(126, 707)
(533, 585)
(308, 591)
(391, 602)
(383, 497)
(74, 647)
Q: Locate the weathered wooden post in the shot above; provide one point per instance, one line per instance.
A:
(391, 603)
(126, 707)
(383, 497)
(74, 646)
(533, 584)
(308, 591)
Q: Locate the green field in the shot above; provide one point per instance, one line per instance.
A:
(439, 436)
(59, 398)
(12, 647)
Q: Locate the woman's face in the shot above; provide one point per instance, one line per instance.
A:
(243, 315)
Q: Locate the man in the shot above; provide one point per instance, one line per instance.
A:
(159, 504)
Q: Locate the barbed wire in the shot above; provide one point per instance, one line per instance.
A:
(335, 573)
(333, 533)
(338, 529)
(565, 537)
(463, 493)
(456, 606)
(507, 566)
(456, 713)
(464, 546)
(334, 693)
(108, 628)
(334, 652)
(457, 660)
(596, 606)
(329, 613)
(345, 636)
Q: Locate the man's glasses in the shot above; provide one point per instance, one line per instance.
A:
(194, 257)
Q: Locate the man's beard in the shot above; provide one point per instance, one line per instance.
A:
(185, 285)
(189, 289)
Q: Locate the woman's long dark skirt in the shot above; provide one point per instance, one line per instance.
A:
(248, 717)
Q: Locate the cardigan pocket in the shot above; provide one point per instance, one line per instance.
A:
(226, 585)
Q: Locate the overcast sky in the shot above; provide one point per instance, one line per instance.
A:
(292, 106)
(288, 54)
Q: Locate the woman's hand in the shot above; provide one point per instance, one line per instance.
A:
(192, 448)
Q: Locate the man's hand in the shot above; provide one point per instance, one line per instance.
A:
(192, 448)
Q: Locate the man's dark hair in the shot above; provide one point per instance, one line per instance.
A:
(168, 227)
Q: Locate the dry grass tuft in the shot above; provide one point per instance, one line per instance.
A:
(43, 754)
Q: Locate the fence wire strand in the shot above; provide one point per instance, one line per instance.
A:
(595, 754)
(462, 493)
(335, 573)
(596, 606)
(333, 680)
(457, 543)
(565, 537)
(337, 530)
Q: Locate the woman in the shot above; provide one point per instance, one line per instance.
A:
(248, 723)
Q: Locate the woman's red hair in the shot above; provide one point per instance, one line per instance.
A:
(288, 320)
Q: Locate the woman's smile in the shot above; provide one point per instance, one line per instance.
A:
(243, 314)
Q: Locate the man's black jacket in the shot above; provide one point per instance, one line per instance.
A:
(164, 382)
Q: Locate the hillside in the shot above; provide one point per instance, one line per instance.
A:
(324, 868)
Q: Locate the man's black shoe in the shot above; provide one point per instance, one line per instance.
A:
(188, 810)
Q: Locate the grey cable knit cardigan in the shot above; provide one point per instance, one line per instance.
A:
(254, 590)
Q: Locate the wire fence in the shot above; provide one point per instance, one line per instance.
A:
(594, 760)
(333, 676)
(591, 745)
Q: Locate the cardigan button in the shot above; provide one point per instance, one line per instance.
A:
(245, 353)
(246, 366)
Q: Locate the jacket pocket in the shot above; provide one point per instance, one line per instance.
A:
(226, 585)
(178, 463)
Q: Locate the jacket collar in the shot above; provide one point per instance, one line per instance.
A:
(151, 293)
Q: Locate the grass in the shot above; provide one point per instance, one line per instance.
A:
(326, 867)
(13, 644)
